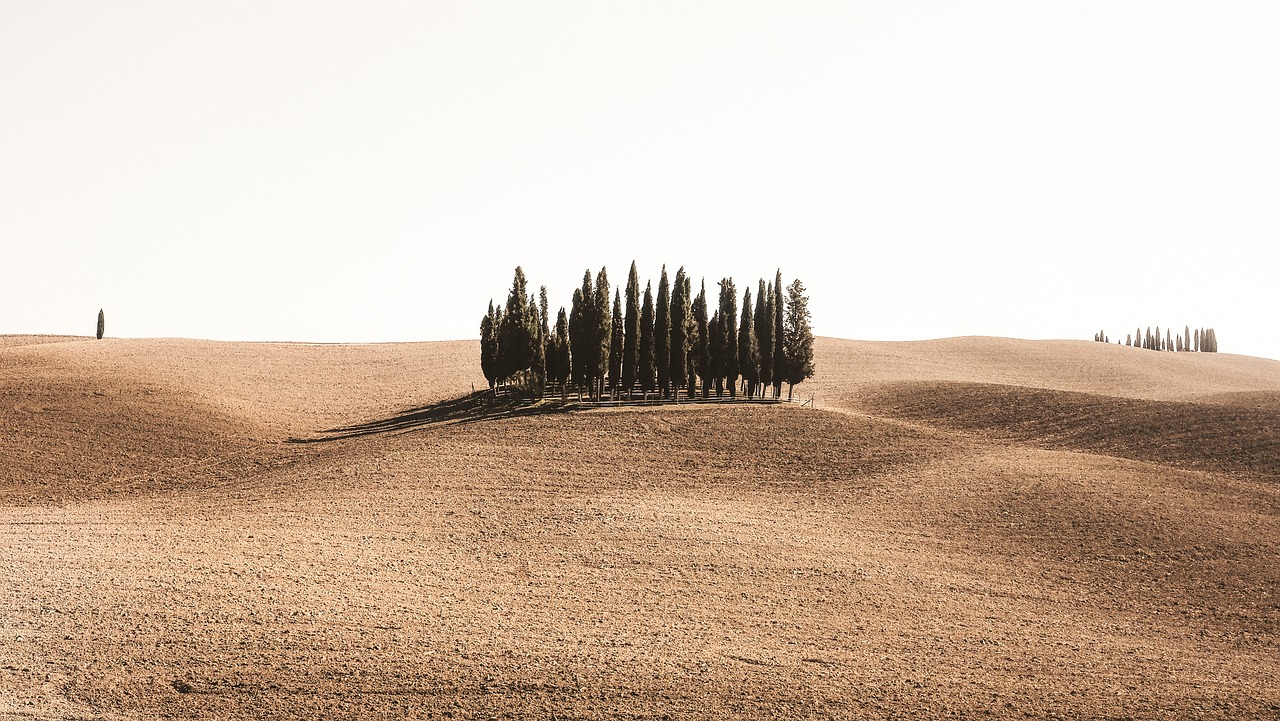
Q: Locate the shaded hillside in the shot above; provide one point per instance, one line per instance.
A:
(1206, 436)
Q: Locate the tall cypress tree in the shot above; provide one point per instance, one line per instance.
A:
(537, 363)
(648, 359)
(563, 356)
(728, 318)
(102, 323)
(779, 353)
(544, 339)
(748, 352)
(798, 338)
(702, 344)
(1197, 340)
(715, 353)
(515, 341)
(631, 336)
(764, 334)
(604, 329)
(662, 334)
(489, 346)
(582, 335)
(678, 367)
(1186, 338)
(615, 346)
(551, 365)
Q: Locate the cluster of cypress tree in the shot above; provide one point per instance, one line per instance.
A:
(1204, 340)
(676, 341)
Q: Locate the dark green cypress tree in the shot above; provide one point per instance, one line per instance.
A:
(678, 367)
(779, 353)
(544, 339)
(1186, 338)
(702, 341)
(764, 334)
(797, 338)
(729, 330)
(102, 323)
(748, 352)
(631, 333)
(616, 330)
(691, 333)
(489, 347)
(604, 329)
(537, 363)
(515, 341)
(582, 338)
(551, 362)
(715, 353)
(563, 357)
(662, 334)
(1197, 340)
(648, 354)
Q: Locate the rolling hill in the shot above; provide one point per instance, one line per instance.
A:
(969, 526)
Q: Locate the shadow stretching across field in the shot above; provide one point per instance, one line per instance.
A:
(481, 406)
(470, 408)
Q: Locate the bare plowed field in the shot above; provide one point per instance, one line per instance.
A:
(969, 527)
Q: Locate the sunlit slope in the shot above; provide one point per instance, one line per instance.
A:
(847, 367)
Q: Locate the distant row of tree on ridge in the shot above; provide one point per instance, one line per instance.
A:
(1204, 340)
(655, 345)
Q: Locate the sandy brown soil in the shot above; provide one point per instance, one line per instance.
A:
(970, 527)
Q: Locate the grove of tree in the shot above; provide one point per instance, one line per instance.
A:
(672, 344)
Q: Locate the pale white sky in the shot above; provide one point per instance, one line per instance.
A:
(355, 171)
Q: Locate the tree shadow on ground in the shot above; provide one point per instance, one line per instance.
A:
(470, 408)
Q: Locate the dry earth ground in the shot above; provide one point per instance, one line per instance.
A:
(972, 527)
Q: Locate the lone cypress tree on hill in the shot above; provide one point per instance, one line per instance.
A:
(102, 323)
